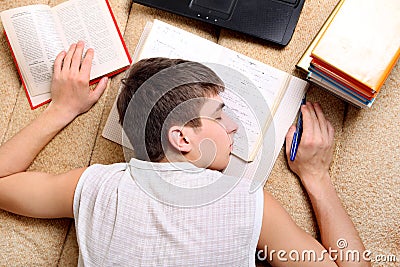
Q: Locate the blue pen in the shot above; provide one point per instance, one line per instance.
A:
(297, 134)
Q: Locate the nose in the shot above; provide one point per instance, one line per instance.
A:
(230, 126)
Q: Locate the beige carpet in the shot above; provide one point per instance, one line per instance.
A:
(364, 171)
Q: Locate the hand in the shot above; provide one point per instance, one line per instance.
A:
(315, 151)
(70, 90)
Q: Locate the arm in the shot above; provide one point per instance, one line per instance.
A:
(312, 166)
(38, 194)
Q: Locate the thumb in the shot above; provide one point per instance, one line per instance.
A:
(289, 138)
(99, 90)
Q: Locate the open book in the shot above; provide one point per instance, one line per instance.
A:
(259, 96)
(37, 33)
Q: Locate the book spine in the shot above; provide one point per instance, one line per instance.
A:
(142, 40)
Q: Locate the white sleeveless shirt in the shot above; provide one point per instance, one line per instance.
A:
(163, 214)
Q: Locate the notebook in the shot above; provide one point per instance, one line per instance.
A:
(272, 111)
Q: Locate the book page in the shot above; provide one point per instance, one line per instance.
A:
(262, 94)
(31, 31)
(91, 22)
(165, 40)
(273, 139)
(267, 79)
(249, 127)
(246, 106)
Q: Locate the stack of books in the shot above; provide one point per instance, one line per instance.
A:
(355, 50)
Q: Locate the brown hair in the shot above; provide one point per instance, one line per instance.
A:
(143, 113)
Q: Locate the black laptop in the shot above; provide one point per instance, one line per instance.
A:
(271, 20)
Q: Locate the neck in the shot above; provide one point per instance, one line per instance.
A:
(174, 157)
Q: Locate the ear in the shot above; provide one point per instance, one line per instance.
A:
(178, 141)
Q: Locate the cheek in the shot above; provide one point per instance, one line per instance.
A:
(220, 133)
(224, 151)
(221, 147)
(224, 139)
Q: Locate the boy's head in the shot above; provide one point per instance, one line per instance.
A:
(170, 110)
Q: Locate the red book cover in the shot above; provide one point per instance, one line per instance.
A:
(46, 98)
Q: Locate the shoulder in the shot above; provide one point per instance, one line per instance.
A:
(233, 188)
(98, 179)
(116, 167)
(98, 173)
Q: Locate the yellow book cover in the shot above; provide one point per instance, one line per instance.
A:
(363, 41)
(306, 58)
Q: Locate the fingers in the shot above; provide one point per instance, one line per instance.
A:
(289, 138)
(73, 59)
(70, 90)
(315, 125)
(331, 132)
(98, 91)
(68, 58)
(313, 118)
(308, 120)
(87, 63)
(71, 62)
(322, 122)
(58, 63)
(77, 56)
